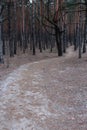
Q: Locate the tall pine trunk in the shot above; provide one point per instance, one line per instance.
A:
(1, 46)
(1, 42)
(33, 26)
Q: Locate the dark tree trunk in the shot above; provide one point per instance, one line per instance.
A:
(58, 41)
(85, 29)
(33, 26)
(11, 43)
(1, 42)
(1, 47)
(64, 39)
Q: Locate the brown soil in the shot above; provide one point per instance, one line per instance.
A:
(21, 59)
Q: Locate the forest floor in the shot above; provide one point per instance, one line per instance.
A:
(50, 94)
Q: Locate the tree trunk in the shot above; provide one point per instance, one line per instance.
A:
(80, 24)
(58, 41)
(85, 30)
(1, 42)
(33, 26)
(1, 47)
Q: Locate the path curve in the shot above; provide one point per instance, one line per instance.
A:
(45, 95)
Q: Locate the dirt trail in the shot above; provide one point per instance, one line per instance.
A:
(46, 95)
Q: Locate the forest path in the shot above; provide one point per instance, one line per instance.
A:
(46, 95)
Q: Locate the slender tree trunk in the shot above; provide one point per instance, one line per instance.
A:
(11, 46)
(85, 30)
(7, 53)
(64, 39)
(15, 28)
(1, 42)
(1, 47)
(33, 26)
(80, 24)
(23, 26)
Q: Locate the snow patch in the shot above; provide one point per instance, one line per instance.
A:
(25, 124)
(18, 103)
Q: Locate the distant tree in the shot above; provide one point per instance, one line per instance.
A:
(1, 42)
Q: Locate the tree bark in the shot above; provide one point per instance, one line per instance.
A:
(1, 42)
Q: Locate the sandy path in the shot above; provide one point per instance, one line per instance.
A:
(46, 95)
